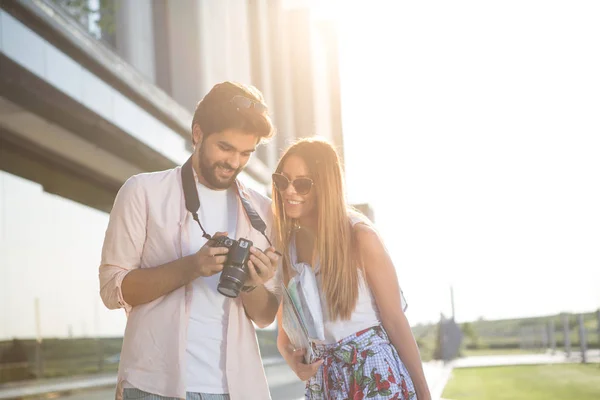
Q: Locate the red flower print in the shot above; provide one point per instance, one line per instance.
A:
(391, 377)
(385, 385)
(405, 393)
(363, 354)
(377, 378)
(354, 354)
(356, 392)
(395, 396)
(359, 333)
(381, 385)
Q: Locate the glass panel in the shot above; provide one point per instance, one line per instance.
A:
(97, 17)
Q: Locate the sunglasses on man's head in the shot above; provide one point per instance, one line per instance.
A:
(301, 185)
(244, 102)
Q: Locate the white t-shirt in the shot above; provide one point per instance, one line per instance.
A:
(209, 313)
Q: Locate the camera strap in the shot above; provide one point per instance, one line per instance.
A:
(192, 202)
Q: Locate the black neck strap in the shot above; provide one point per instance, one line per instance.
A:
(192, 201)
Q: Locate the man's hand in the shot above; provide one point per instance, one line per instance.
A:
(296, 362)
(143, 285)
(261, 304)
(261, 266)
(210, 260)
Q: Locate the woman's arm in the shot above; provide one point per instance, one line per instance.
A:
(383, 282)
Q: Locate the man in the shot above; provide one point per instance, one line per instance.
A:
(184, 339)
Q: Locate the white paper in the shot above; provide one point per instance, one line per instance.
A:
(294, 326)
(305, 293)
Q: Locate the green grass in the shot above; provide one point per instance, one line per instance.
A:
(539, 382)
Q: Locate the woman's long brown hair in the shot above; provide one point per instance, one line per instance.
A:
(334, 241)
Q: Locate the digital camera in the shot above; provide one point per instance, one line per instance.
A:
(235, 269)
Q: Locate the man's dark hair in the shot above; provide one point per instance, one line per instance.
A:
(217, 112)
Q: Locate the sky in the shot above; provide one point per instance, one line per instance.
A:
(473, 130)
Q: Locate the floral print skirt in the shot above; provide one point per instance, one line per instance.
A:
(364, 365)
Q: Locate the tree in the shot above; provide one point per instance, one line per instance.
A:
(470, 332)
(103, 17)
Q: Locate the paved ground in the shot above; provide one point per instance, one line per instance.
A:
(283, 383)
(593, 356)
(437, 374)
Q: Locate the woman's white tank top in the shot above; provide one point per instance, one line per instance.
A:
(365, 314)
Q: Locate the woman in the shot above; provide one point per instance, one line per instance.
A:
(369, 350)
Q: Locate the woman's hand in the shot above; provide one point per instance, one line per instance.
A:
(295, 359)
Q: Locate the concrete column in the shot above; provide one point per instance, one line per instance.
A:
(224, 41)
(329, 35)
(162, 50)
(321, 96)
(280, 76)
(185, 56)
(135, 35)
(301, 63)
(260, 48)
(260, 59)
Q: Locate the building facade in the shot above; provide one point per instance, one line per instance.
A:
(94, 91)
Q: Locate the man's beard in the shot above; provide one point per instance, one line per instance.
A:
(209, 172)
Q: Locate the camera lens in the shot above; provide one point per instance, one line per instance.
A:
(229, 288)
(232, 279)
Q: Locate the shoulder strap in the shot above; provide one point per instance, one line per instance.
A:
(192, 201)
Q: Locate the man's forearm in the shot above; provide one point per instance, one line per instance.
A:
(261, 306)
(142, 285)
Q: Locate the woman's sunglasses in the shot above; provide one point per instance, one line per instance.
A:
(301, 185)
